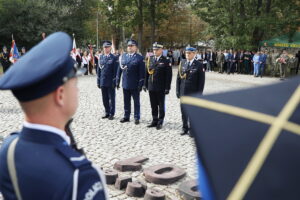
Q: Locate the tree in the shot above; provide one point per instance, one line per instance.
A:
(243, 23)
(27, 19)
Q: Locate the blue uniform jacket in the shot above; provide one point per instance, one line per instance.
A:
(133, 70)
(48, 168)
(263, 58)
(107, 71)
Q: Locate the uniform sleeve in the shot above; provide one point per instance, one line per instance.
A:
(115, 70)
(119, 73)
(146, 77)
(142, 72)
(178, 81)
(98, 76)
(89, 185)
(201, 80)
(168, 74)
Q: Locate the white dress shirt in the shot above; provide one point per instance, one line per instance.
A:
(47, 128)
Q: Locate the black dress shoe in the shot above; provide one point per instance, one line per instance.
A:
(136, 122)
(111, 117)
(105, 116)
(184, 133)
(159, 126)
(124, 120)
(153, 124)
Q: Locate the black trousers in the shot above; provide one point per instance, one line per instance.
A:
(109, 100)
(185, 120)
(86, 67)
(157, 100)
(5, 68)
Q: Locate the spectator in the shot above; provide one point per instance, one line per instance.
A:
(220, 61)
(256, 63)
(283, 63)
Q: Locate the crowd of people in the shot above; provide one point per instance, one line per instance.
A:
(256, 63)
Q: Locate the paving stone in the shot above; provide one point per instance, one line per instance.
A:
(106, 142)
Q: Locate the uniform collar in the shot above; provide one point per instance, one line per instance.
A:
(191, 62)
(131, 54)
(157, 58)
(47, 128)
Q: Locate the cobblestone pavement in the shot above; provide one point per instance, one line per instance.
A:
(106, 142)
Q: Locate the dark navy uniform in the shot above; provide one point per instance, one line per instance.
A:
(108, 66)
(48, 168)
(4, 59)
(158, 81)
(190, 79)
(133, 69)
(42, 161)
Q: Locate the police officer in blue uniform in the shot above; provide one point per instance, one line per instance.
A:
(41, 161)
(132, 67)
(190, 79)
(108, 66)
(158, 82)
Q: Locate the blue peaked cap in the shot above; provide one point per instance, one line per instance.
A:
(41, 70)
(132, 42)
(107, 44)
(188, 48)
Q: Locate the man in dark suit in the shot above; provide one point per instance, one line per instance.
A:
(240, 62)
(132, 67)
(233, 58)
(190, 79)
(42, 160)
(158, 82)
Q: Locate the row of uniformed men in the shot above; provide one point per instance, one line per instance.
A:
(48, 96)
(155, 77)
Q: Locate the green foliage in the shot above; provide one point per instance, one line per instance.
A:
(241, 24)
(27, 19)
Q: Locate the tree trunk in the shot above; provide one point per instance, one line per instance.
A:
(257, 33)
(139, 4)
(153, 20)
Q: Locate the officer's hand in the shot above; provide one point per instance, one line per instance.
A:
(166, 91)
(118, 86)
(178, 96)
(145, 88)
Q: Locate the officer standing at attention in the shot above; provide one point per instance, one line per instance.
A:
(42, 161)
(190, 79)
(4, 58)
(133, 68)
(158, 82)
(108, 66)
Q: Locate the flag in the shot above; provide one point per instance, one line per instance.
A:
(91, 55)
(248, 141)
(14, 53)
(113, 45)
(73, 54)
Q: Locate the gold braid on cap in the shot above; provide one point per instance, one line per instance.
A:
(182, 76)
